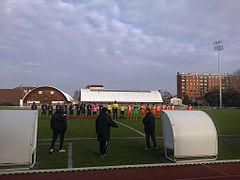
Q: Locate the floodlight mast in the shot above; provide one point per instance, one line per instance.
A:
(218, 46)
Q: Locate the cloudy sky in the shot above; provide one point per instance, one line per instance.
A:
(122, 44)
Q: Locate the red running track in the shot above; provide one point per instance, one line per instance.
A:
(220, 171)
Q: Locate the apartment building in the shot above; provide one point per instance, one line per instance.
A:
(197, 85)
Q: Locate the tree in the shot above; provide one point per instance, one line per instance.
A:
(186, 100)
(230, 98)
(237, 72)
(166, 95)
(212, 98)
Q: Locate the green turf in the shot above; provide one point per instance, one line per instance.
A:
(127, 151)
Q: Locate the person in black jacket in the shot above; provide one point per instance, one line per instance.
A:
(59, 126)
(103, 125)
(149, 128)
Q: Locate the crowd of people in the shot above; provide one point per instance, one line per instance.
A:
(131, 111)
(103, 124)
(105, 114)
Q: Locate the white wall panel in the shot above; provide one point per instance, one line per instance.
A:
(18, 136)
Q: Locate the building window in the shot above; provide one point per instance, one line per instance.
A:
(51, 92)
(39, 92)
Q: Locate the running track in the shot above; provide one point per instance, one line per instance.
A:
(217, 171)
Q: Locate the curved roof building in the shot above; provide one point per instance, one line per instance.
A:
(45, 94)
(121, 96)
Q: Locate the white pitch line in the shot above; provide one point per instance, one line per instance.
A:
(131, 128)
(70, 156)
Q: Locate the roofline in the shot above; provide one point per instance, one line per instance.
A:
(67, 96)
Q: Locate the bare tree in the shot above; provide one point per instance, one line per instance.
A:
(237, 72)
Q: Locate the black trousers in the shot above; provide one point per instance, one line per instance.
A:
(103, 147)
(57, 132)
(153, 138)
(115, 113)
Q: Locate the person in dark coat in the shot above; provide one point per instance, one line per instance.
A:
(58, 124)
(34, 106)
(103, 125)
(149, 129)
(50, 110)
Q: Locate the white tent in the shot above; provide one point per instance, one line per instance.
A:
(189, 135)
(123, 96)
(18, 138)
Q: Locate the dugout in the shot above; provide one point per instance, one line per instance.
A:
(18, 139)
(189, 136)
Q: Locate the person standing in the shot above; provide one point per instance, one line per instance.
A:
(34, 106)
(103, 125)
(122, 111)
(58, 125)
(83, 110)
(58, 106)
(129, 109)
(89, 110)
(78, 110)
(115, 109)
(50, 110)
(100, 106)
(149, 129)
(153, 109)
(109, 108)
(142, 110)
(94, 109)
(158, 110)
(135, 111)
(44, 110)
(71, 110)
(189, 107)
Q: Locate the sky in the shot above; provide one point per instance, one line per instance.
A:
(121, 44)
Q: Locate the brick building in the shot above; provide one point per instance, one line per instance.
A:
(196, 85)
(13, 96)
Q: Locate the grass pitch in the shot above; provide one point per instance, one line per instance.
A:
(126, 146)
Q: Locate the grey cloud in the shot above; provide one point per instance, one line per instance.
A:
(131, 45)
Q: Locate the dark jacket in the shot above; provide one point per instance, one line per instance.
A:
(149, 123)
(59, 120)
(103, 124)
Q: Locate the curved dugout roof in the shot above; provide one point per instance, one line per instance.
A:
(190, 134)
(123, 96)
(67, 96)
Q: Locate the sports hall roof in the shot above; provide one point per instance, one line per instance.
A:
(124, 96)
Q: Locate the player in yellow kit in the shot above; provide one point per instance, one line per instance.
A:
(115, 109)
(122, 112)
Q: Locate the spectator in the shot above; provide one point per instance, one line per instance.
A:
(103, 124)
(149, 129)
(59, 126)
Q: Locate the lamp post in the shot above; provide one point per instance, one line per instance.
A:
(218, 46)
